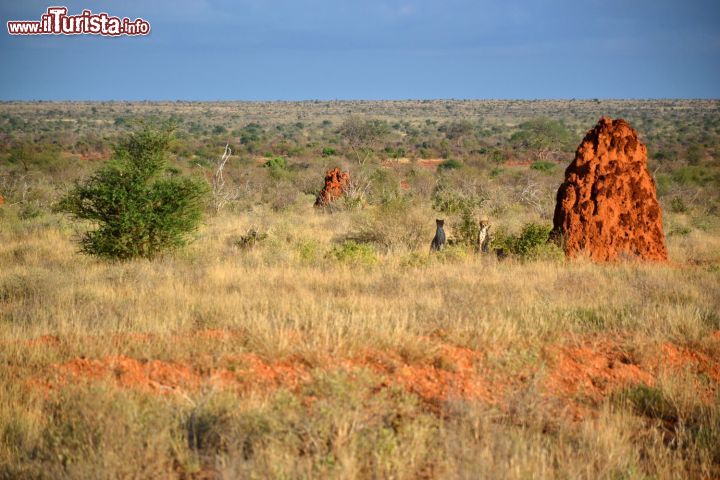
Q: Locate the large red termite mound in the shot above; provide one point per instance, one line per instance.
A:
(335, 183)
(607, 206)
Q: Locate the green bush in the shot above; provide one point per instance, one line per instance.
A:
(30, 211)
(542, 166)
(679, 231)
(496, 172)
(530, 244)
(694, 154)
(277, 167)
(353, 253)
(663, 156)
(449, 199)
(250, 239)
(677, 205)
(395, 152)
(497, 157)
(43, 156)
(650, 402)
(328, 152)
(308, 251)
(694, 174)
(278, 163)
(454, 253)
(140, 208)
(450, 164)
(414, 260)
(383, 185)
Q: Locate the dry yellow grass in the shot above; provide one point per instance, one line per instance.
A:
(285, 298)
(49, 289)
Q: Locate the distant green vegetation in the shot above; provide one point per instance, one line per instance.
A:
(450, 164)
(542, 166)
(463, 159)
(543, 134)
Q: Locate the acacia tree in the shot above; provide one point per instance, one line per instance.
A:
(542, 135)
(138, 205)
(457, 131)
(362, 135)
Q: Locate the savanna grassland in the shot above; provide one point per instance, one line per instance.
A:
(288, 341)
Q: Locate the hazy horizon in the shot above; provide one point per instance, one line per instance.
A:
(354, 100)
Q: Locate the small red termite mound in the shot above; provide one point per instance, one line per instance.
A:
(335, 183)
(607, 206)
(2, 200)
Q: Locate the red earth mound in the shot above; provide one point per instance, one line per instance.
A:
(591, 372)
(335, 183)
(607, 206)
(238, 372)
(454, 377)
(576, 377)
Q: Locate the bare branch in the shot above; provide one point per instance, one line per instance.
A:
(221, 195)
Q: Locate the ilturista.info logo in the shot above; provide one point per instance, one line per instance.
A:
(56, 21)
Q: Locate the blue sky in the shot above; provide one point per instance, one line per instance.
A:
(342, 49)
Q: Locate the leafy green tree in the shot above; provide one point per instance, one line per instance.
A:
(542, 135)
(277, 167)
(457, 131)
(251, 135)
(139, 205)
(362, 135)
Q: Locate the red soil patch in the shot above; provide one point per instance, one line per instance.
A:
(154, 375)
(239, 372)
(675, 358)
(395, 162)
(44, 340)
(591, 373)
(431, 163)
(518, 163)
(455, 373)
(607, 206)
(578, 377)
(595, 370)
(249, 371)
(95, 156)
